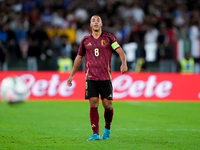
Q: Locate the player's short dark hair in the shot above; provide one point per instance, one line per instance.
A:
(96, 15)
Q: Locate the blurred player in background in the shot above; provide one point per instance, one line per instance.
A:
(97, 49)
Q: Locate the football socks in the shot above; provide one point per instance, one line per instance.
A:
(94, 119)
(108, 115)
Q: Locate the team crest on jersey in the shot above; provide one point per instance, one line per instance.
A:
(102, 42)
(89, 44)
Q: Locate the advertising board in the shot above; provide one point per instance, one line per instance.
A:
(52, 86)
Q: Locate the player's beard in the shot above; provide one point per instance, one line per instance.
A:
(96, 29)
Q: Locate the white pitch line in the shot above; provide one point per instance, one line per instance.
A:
(193, 130)
(169, 130)
(143, 104)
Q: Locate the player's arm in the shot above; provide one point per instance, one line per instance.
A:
(122, 56)
(77, 63)
(115, 46)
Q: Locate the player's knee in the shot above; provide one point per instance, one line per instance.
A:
(107, 104)
(108, 107)
(94, 102)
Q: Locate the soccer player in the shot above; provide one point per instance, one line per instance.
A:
(97, 49)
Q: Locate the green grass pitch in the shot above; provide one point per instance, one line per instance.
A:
(66, 126)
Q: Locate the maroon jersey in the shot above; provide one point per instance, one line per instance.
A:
(98, 54)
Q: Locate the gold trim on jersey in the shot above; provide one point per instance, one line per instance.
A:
(87, 71)
(109, 71)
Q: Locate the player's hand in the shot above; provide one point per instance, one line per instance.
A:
(123, 68)
(69, 81)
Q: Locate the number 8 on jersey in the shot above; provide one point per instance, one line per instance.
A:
(96, 52)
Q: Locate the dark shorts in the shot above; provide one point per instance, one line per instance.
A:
(95, 88)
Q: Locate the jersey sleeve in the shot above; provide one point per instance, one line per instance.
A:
(82, 49)
(113, 41)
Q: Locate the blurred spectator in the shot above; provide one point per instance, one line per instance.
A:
(141, 65)
(33, 28)
(57, 19)
(162, 41)
(3, 33)
(28, 6)
(168, 65)
(171, 33)
(81, 15)
(17, 6)
(69, 22)
(74, 51)
(14, 52)
(46, 16)
(150, 40)
(3, 52)
(3, 48)
(66, 47)
(33, 51)
(165, 53)
(137, 13)
(187, 64)
(34, 15)
(21, 36)
(194, 39)
(180, 15)
(44, 43)
(151, 34)
(80, 33)
(65, 63)
(71, 34)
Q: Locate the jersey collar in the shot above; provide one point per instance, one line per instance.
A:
(99, 36)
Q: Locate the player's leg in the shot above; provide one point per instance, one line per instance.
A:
(94, 115)
(94, 118)
(108, 113)
(108, 116)
(106, 96)
(92, 94)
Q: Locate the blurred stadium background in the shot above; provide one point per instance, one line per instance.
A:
(34, 34)
(155, 35)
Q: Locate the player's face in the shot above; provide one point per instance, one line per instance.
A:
(96, 23)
